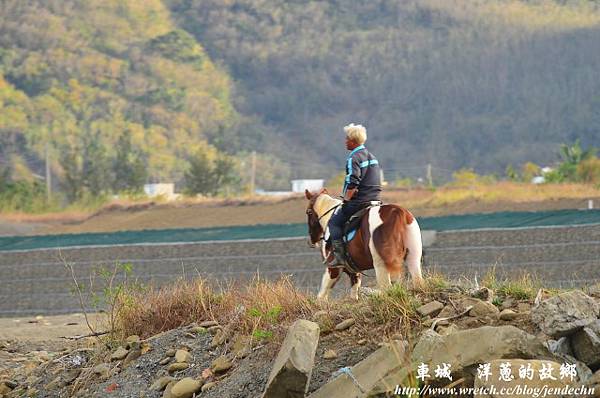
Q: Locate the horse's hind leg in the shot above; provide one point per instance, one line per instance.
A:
(355, 280)
(330, 277)
(415, 252)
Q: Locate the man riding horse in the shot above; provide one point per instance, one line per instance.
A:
(362, 187)
(385, 236)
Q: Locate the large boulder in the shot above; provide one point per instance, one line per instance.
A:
(586, 344)
(467, 349)
(293, 366)
(517, 385)
(353, 382)
(565, 314)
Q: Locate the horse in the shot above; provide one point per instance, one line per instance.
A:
(388, 236)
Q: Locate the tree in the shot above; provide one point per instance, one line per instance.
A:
(208, 176)
(96, 171)
(129, 166)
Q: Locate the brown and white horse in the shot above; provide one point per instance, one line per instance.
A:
(388, 235)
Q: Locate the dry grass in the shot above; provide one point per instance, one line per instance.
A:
(522, 287)
(510, 192)
(260, 308)
(257, 308)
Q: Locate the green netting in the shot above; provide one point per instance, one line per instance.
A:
(457, 222)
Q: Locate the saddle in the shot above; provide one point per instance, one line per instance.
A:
(350, 228)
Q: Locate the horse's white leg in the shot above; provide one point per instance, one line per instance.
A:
(415, 251)
(356, 281)
(382, 275)
(327, 283)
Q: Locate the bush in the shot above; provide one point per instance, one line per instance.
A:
(588, 171)
(464, 178)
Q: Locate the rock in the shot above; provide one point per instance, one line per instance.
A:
(176, 367)
(208, 324)
(523, 308)
(561, 346)
(132, 356)
(119, 354)
(214, 329)
(4, 389)
(362, 342)
(320, 314)
(186, 388)
(330, 354)
(242, 346)
(468, 348)
(168, 390)
(10, 384)
(345, 324)
(508, 315)
(515, 364)
(484, 294)
(565, 313)
(171, 353)
(70, 375)
(208, 386)
(199, 330)
(480, 308)
(161, 383)
(219, 338)
(368, 372)
(221, 364)
(445, 331)
(55, 384)
(293, 366)
(134, 339)
(447, 312)
(164, 361)
(586, 344)
(430, 309)
(183, 356)
(102, 370)
(507, 303)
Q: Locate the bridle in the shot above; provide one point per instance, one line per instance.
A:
(328, 211)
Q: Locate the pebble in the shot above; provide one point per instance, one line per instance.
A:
(171, 353)
(162, 383)
(119, 354)
(132, 356)
(362, 342)
(508, 315)
(208, 386)
(164, 361)
(221, 364)
(345, 324)
(183, 356)
(175, 367)
(330, 354)
(208, 324)
(186, 388)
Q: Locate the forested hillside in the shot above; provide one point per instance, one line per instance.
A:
(116, 93)
(88, 80)
(455, 83)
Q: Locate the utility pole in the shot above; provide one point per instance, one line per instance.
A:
(253, 174)
(429, 177)
(48, 173)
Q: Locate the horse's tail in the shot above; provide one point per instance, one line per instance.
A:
(392, 235)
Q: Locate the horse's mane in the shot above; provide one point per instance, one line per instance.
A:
(326, 201)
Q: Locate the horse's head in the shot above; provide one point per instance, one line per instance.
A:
(315, 230)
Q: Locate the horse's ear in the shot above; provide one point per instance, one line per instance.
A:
(324, 190)
(307, 194)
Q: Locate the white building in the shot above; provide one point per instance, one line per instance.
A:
(165, 190)
(298, 186)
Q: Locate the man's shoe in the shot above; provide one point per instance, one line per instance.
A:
(337, 248)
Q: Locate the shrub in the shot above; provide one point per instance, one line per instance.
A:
(588, 171)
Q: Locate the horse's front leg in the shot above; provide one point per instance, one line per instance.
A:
(330, 277)
(355, 280)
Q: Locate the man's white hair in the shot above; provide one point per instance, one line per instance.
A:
(356, 133)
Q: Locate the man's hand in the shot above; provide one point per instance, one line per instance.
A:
(349, 194)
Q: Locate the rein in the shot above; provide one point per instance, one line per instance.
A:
(329, 211)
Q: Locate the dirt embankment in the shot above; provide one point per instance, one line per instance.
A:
(251, 212)
(472, 324)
